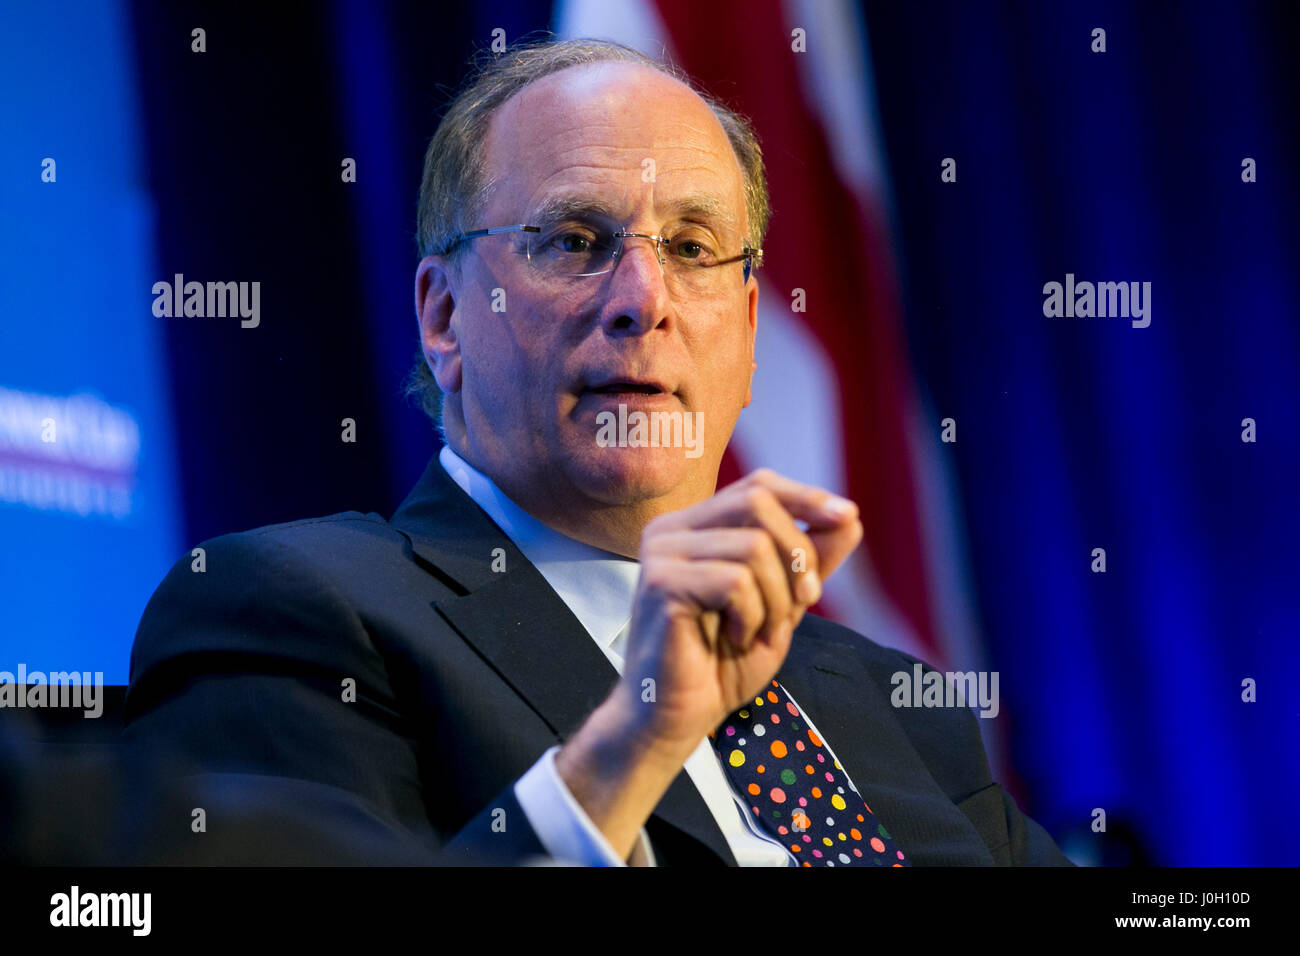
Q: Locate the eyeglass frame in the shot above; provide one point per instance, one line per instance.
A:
(753, 257)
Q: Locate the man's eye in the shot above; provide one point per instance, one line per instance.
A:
(692, 250)
(572, 242)
(575, 240)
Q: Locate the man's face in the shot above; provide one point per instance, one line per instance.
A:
(536, 361)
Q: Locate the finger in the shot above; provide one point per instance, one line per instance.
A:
(731, 590)
(801, 560)
(753, 547)
(832, 522)
(818, 507)
(834, 545)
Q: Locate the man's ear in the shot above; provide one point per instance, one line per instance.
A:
(753, 332)
(435, 304)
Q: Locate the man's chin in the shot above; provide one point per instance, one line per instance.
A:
(623, 476)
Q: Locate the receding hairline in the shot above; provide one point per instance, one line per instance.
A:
(697, 203)
(655, 72)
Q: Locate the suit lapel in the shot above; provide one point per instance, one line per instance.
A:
(519, 625)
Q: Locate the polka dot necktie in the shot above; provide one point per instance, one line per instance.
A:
(797, 789)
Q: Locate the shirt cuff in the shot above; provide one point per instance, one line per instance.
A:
(562, 826)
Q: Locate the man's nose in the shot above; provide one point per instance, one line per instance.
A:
(637, 299)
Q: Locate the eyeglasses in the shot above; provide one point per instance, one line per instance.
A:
(688, 260)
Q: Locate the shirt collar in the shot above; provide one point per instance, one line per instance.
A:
(598, 586)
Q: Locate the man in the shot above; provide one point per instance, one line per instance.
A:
(567, 642)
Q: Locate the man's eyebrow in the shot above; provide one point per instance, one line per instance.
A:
(557, 208)
(705, 207)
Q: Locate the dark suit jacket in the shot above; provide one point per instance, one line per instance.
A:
(463, 677)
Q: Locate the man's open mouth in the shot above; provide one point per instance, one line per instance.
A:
(626, 388)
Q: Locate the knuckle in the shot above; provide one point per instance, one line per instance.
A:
(654, 579)
(660, 545)
(654, 527)
(737, 577)
(756, 546)
(757, 498)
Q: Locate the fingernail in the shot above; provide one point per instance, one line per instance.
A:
(809, 588)
(837, 507)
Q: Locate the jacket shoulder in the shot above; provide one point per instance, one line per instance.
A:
(881, 661)
(947, 739)
(273, 590)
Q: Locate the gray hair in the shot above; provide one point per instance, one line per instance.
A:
(454, 188)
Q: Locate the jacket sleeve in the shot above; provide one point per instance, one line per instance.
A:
(262, 728)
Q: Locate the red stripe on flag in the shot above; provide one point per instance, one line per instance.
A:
(826, 243)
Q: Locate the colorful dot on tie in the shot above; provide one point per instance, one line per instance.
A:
(758, 702)
(777, 795)
(737, 758)
(794, 711)
(776, 718)
(761, 769)
(798, 745)
(812, 735)
(771, 695)
(837, 801)
(877, 845)
(754, 790)
(855, 833)
(778, 749)
(743, 714)
(731, 731)
(817, 793)
(787, 776)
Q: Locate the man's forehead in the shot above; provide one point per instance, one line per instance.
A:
(569, 136)
(582, 204)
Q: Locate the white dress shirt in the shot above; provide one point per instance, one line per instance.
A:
(598, 588)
